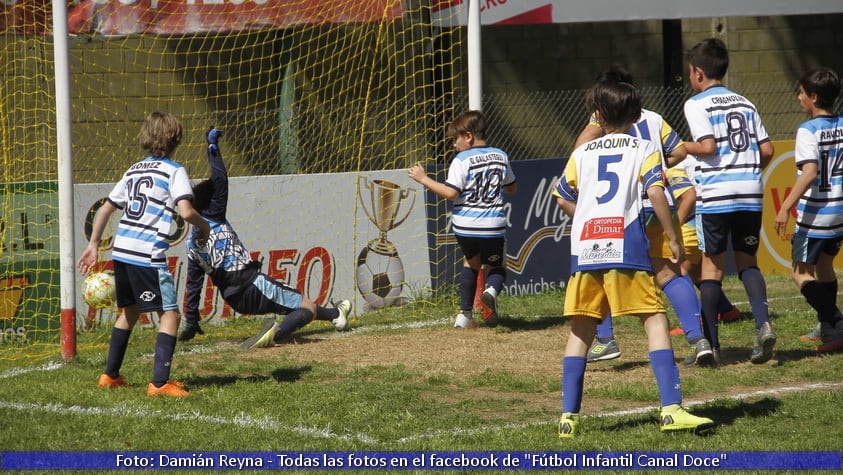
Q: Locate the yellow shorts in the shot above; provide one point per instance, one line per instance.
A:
(692, 246)
(658, 241)
(621, 291)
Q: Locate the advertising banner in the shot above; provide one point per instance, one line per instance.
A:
(354, 236)
(779, 176)
(29, 262)
(127, 17)
(538, 233)
(512, 12)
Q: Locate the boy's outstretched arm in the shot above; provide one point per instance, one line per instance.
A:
(417, 173)
(91, 253)
(218, 207)
(802, 184)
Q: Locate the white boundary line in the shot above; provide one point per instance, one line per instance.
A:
(628, 412)
(268, 424)
(18, 371)
(245, 421)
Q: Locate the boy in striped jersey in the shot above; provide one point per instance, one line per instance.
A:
(732, 148)
(150, 193)
(611, 270)
(477, 178)
(818, 197)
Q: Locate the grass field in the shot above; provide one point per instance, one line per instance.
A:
(404, 380)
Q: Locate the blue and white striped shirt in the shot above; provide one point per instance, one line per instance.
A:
(147, 194)
(819, 213)
(479, 175)
(729, 180)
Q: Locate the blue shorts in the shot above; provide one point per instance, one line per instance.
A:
(807, 249)
(150, 288)
(741, 228)
(265, 295)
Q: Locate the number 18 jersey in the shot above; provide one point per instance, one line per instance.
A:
(479, 174)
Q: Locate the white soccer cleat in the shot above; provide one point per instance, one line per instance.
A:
(341, 322)
(463, 321)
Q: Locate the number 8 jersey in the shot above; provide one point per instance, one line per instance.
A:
(604, 177)
(479, 174)
(729, 180)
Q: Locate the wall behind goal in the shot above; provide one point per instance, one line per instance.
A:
(299, 88)
(328, 96)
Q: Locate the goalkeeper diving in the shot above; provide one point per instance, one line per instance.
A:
(239, 279)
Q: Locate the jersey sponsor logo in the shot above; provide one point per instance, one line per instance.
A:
(597, 254)
(603, 228)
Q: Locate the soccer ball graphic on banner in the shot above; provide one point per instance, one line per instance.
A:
(98, 290)
(380, 273)
(380, 277)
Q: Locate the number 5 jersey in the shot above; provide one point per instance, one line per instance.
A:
(605, 178)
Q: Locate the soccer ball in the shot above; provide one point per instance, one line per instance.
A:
(98, 290)
(380, 277)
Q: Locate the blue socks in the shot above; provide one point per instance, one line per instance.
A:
(683, 296)
(327, 314)
(292, 322)
(573, 373)
(468, 287)
(605, 330)
(710, 291)
(661, 361)
(756, 290)
(667, 376)
(165, 346)
(116, 351)
(495, 278)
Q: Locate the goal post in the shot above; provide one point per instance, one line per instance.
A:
(300, 88)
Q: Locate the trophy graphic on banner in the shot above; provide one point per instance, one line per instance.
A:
(379, 271)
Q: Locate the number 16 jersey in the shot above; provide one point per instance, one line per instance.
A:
(148, 194)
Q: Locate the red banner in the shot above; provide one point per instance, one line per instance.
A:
(126, 17)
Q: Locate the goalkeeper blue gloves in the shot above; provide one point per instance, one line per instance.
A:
(213, 135)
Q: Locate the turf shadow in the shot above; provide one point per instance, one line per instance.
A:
(543, 323)
(722, 414)
(281, 375)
